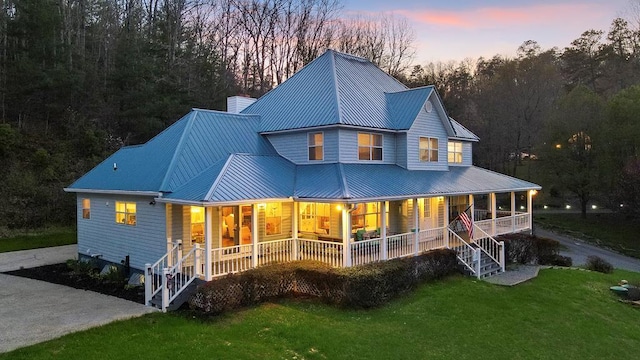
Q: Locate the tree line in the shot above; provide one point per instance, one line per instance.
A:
(81, 78)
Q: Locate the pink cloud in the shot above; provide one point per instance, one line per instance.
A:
(493, 17)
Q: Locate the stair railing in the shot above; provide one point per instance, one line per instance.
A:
(179, 276)
(467, 254)
(490, 246)
(153, 274)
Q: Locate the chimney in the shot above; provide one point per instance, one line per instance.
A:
(235, 104)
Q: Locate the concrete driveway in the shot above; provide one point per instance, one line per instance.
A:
(578, 250)
(33, 311)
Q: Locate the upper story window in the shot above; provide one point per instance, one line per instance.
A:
(86, 208)
(369, 146)
(455, 152)
(316, 146)
(126, 213)
(428, 149)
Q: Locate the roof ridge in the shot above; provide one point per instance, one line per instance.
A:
(343, 179)
(224, 112)
(174, 159)
(216, 182)
(335, 85)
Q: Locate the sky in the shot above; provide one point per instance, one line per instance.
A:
(458, 29)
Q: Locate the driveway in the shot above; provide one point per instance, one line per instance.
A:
(33, 311)
(578, 250)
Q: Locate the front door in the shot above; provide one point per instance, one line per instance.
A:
(236, 225)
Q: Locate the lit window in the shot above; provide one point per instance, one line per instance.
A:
(197, 224)
(316, 146)
(366, 216)
(369, 146)
(455, 152)
(126, 213)
(273, 219)
(428, 149)
(86, 209)
(426, 208)
(315, 218)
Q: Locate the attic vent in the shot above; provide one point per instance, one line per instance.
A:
(428, 107)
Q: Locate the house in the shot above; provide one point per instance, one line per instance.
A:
(341, 163)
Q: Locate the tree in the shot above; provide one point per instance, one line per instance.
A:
(574, 142)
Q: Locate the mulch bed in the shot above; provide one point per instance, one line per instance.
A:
(61, 274)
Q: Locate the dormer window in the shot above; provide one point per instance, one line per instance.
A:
(455, 152)
(316, 146)
(369, 146)
(428, 149)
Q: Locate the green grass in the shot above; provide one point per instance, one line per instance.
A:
(562, 314)
(39, 239)
(607, 229)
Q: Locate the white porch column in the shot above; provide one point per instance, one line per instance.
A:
(208, 242)
(294, 229)
(530, 209)
(446, 221)
(346, 236)
(513, 211)
(383, 231)
(472, 209)
(254, 235)
(416, 227)
(493, 200)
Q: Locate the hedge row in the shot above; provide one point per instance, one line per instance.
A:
(526, 249)
(361, 286)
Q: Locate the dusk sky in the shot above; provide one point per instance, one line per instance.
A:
(456, 29)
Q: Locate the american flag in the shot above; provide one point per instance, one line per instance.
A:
(466, 220)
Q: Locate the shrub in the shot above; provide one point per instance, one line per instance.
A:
(546, 250)
(598, 264)
(113, 273)
(361, 286)
(82, 267)
(527, 249)
(559, 260)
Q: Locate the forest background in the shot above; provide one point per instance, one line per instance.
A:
(79, 79)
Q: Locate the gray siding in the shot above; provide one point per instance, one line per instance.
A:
(145, 242)
(401, 150)
(349, 147)
(294, 146)
(427, 125)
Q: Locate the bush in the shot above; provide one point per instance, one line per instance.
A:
(82, 267)
(361, 286)
(546, 250)
(559, 260)
(598, 264)
(527, 249)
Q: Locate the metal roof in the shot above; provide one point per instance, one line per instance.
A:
(404, 106)
(178, 154)
(462, 132)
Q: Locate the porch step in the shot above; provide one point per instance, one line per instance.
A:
(182, 298)
(488, 267)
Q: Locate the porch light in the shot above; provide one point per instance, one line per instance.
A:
(594, 207)
(533, 192)
(545, 207)
(621, 205)
(558, 146)
(262, 206)
(568, 207)
(521, 207)
(339, 207)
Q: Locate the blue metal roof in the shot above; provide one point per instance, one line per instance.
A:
(462, 132)
(322, 181)
(404, 106)
(175, 156)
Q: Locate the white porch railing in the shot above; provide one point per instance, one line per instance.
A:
(276, 251)
(231, 259)
(489, 245)
(366, 251)
(180, 275)
(431, 239)
(328, 252)
(400, 245)
(465, 252)
(154, 272)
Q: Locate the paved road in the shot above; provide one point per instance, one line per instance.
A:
(33, 311)
(578, 250)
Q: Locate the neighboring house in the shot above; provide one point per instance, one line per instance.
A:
(341, 163)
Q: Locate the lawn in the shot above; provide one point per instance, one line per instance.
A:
(562, 314)
(610, 230)
(39, 239)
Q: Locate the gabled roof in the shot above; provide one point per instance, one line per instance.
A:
(462, 132)
(174, 157)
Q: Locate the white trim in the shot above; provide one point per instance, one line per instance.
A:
(332, 126)
(222, 203)
(114, 192)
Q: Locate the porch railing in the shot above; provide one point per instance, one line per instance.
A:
(231, 259)
(276, 251)
(400, 245)
(153, 276)
(328, 252)
(366, 251)
(181, 275)
(431, 239)
(489, 245)
(467, 254)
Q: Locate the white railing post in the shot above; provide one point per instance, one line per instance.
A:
(196, 260)
(478, 257)
(503, 259)
(148, 283)
(513, 211)
(179, 253)
(254, 235)
(530, 210)
(492, 198)
(416, 219)
(346, 236)
(445, 229)
(383, 231)
(294, 230)
(165, 290)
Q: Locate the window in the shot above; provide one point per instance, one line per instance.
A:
(126, 213)
(369, 146)
(366, 216)
(428, 149)
(315, 218)
(86, 209)
(273, 219)
(426, 208)
(455, 152)
(316, 146)
(197, 224)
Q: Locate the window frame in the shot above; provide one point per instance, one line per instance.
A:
(454, 157)
(371, 146)
(276, 214)
(200, 237)
(129, 217)
(310, 137)
(429, 149)
(86, 208)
